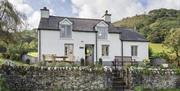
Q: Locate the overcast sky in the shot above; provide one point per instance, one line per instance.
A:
(90, 8)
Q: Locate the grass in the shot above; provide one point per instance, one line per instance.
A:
(33, 54)
(140, 88)
(158, 48)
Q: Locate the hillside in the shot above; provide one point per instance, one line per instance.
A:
(155, 25)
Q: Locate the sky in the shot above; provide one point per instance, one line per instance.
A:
(89, 8)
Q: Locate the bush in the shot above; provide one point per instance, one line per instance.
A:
(163, 55)
(150, 52)
(3, 85)
(82, 62)
(41, 63)
(138, 88)
(100, 61)
(6, 56)
(28, 61)
(2, 49)
(63, 64)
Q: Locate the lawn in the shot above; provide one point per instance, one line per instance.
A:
(169, 89)
(33, 54)
(140, 88)
(158, 48)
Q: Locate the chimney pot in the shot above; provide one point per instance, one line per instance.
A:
(107, 17)
(44, 12)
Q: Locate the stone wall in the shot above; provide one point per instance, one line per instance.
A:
(155, 78)
(31, 78)
(52, 78)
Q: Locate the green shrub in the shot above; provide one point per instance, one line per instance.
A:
(82, 62)
(3, 85)
(138, 88)
(150, 52)
(100, 61)
(41, 63)
(62, 64)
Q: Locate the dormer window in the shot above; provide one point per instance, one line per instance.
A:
(65, 28)
(102, 29)
(102, 32)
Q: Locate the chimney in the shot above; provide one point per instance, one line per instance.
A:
(107, 17)
(44, 13)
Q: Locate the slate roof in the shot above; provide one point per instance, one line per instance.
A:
(131, 35)
(88, 25)
(79, 24)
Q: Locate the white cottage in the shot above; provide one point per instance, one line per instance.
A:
(89, 39)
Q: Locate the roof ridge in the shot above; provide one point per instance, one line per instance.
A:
(77, 18)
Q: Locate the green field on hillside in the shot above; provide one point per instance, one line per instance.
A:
(33, 54)
(158, 48)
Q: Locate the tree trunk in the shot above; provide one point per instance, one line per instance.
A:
(178, 57)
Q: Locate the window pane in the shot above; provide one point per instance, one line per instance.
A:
(105, 50)
(102, 33)
(62, 32)
(133, 50)
(136, 50)
(68, 49)
(66, 31)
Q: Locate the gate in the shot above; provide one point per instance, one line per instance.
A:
(119, 77)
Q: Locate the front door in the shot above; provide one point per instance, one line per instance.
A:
(89, 54)
(68, 51)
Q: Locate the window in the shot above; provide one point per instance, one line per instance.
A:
(105, 50)
(134, 50)
(66, 31)
(68, 49)
(102, 32)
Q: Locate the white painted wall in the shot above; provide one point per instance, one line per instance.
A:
(114, 47)
(52, 44)
(142, 49)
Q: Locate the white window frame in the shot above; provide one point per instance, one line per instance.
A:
(134, 50)
(105, 50)
(102, 33)
(67, 45)
(67, 23)
(102, 28)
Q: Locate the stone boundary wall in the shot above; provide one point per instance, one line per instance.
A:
(154, 78)
(24, 78)
(31, 78)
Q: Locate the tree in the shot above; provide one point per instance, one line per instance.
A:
(155, 25)
(26, 42)
(172, 41)
(10, 20)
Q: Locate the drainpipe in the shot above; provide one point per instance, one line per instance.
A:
(122, 52)
(96, 47)
(39, 44)
(122, 58)
(122, 55)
